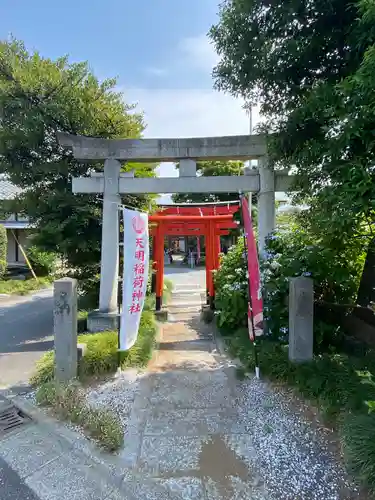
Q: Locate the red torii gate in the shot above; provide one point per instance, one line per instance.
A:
(211, 221)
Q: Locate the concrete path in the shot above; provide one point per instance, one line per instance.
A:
(196, 432)
(192, 431)
(45, 460)
(25, 333)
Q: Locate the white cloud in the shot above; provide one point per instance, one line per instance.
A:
(198, 53)
(181, 112)
(190, 112)
(154, 71)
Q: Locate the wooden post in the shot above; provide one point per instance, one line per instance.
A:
(154, 266)
(211, 251)
(218, 245)
(159, 253)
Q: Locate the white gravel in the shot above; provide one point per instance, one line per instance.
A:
(293, 457)
(117, 395)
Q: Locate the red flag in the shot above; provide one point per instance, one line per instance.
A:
(255, 313)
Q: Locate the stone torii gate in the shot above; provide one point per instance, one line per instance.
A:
(112, 183)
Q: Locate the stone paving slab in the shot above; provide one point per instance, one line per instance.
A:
(185, 488)
(167, 454)
(162, 489)
(184, 389)
(193, 422)
(30, 449)
(72, 477)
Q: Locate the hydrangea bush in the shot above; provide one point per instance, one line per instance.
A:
(292, 253)
(231, 289)
(289, 253)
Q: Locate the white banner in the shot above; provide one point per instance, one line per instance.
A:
(134, 285)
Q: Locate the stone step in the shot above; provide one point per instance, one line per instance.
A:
(186, 297)
(184, 309)
(174, 304)
(188, 286)
(188, 290)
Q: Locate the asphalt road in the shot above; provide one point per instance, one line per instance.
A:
(11, 486)
(26, 327)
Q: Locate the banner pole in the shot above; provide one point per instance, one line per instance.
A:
(119, 292)
(250, 315)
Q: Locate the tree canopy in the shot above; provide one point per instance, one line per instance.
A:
(208, 169)
(39, 97)
(310, 65)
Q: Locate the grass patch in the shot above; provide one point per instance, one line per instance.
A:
(167, 291)
(338, 384)
(102, 356)
(69, 403)
(23, 287)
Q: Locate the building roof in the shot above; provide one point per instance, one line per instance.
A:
(8, 191)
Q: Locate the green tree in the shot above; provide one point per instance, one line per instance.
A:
(209, 169)
(274, 52)
(310, 65)
(39, 97)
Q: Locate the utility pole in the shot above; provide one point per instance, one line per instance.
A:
(248, 107)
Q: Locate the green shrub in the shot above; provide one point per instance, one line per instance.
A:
(336, 276)
(167, 292)
(43, 263)
(290, 253)
(231, 289)
(44, 369)
(101, 353)
(358, 438)
(82, 321)
(89, 293)
(3, 250)
(336, 382)
(69, 403)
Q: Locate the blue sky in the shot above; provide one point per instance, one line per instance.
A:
(158, 49)
(125, 38)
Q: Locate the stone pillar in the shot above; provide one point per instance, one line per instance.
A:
(301, 313)
(187, 168)
(106, 317)
(65, 328)
(266, 203)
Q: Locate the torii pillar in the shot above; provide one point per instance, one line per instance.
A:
(106, 317)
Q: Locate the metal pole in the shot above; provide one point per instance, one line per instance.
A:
(251, 118)
(119, 294)
(249, 303)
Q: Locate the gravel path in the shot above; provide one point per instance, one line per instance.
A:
(193, 431)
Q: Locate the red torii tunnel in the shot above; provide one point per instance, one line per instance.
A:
(208, 221)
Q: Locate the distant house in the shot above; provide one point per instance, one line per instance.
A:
(18, 227)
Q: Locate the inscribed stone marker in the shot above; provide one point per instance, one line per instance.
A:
(65, 328)
(301, 312)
